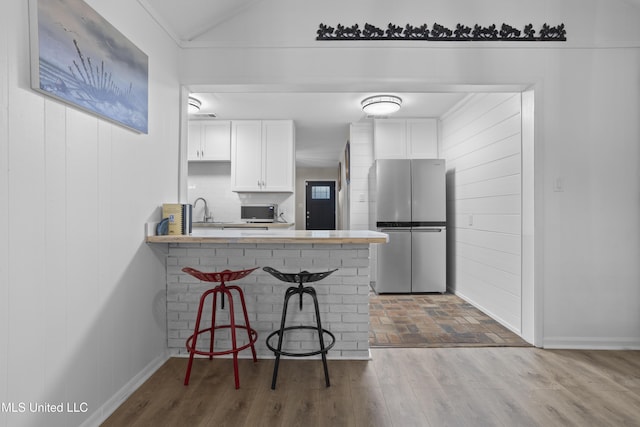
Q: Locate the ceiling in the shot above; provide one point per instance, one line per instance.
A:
(322, 118)
(187, 19)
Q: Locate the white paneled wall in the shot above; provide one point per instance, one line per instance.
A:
(4, 212)
(361, 142)
(82, 312)
(481, 140)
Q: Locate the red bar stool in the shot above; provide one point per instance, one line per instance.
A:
(222, 277)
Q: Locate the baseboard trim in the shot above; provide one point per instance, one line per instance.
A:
(109, 407)
(591, 343)
(490, 313)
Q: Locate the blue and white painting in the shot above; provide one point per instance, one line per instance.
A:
(79, 58)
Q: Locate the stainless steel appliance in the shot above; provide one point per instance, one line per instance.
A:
(410, 197)
(259, 213)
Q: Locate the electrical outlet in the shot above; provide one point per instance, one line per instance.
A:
(558, 184)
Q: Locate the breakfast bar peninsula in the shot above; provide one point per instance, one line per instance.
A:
(343, 296)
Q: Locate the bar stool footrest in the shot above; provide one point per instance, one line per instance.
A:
(252, 341)
(312, 353)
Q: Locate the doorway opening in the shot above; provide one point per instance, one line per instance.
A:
(532, 309)
(320, 202)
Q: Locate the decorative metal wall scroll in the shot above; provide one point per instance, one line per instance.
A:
(441, 33)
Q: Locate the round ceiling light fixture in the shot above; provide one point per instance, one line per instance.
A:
(194, 105)
(379, 105)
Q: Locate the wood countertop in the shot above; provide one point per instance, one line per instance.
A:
(213, 235)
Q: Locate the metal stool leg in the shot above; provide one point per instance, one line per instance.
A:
(287, 295)
(195, 334)
(311, 291)
(214, 307)
(234, 344)
(246, 319)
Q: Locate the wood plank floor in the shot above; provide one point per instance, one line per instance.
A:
(404, 387)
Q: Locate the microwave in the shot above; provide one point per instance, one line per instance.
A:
(259, 213)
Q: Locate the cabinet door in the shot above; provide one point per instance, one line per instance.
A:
(193, 140)
(278, 154)
(422, 139)
(246, 156)
(216, 140)
(389, 139)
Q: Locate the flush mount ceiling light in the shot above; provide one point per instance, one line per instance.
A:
(194, 105)
(381, 104)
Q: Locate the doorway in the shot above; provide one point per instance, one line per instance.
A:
(532, 293)
(320, 201)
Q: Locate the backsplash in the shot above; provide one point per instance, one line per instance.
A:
(212, 181)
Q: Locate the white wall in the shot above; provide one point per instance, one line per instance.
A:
(82, 296)
(587, 237)
(481, 140)
(361, 147)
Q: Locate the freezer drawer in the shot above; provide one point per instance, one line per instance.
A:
(393, 274)
(429, 259)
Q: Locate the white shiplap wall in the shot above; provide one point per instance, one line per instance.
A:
(481, 141)
(82, 311)
(361, 138)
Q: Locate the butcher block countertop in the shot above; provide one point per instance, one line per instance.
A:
(212, 235)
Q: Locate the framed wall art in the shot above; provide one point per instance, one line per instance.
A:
(79, 58)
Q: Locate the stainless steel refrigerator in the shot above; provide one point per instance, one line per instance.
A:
(410, 198)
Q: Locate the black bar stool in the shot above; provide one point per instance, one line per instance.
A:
(300, 278)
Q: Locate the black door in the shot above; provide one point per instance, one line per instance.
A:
(321, 205)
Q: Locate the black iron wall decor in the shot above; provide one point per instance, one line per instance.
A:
(441, 33)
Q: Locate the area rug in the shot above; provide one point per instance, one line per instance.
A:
(434, 320)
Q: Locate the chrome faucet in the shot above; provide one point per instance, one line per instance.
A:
(205, 215)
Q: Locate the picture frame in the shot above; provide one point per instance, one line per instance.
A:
(79, 58)
(339, 176)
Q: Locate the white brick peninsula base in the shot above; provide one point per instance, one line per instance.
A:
(343, 296)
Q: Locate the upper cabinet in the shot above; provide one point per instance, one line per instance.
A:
(262, 156)
(405, 139)
(209, 140)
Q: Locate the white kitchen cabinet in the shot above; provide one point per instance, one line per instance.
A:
(209, 140)
(405, 138)
(262, 156)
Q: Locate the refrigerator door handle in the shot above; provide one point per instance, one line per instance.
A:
(384, 230)
(427, 229)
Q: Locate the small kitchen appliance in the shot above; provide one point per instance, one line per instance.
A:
(259, 212)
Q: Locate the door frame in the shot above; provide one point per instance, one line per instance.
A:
(533, 172)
